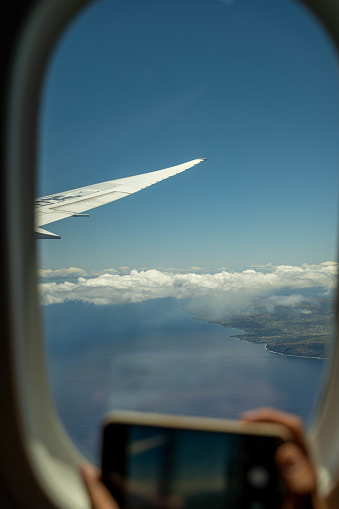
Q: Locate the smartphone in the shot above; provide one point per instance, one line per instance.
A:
(153, 461)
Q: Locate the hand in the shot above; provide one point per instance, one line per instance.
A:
(293, 460)
(98, 494)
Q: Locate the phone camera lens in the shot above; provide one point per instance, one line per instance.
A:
(258, 477)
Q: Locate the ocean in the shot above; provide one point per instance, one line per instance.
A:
(155, 356)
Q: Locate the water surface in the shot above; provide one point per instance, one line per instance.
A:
(154, 356)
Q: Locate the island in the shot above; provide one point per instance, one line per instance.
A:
(302, 331)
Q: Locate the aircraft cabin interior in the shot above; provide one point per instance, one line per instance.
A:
(38, 458)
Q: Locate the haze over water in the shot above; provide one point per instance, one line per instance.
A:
(154, 356)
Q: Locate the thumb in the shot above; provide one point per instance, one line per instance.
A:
(299, 476)
(99, 495)
(296, 470)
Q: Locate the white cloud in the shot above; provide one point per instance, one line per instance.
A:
(71, 272)
(214, 292)
(286, 300)
(105, 271)
(293, 300)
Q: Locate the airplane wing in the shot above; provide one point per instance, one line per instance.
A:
(73, 203)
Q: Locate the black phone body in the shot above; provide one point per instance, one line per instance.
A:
(159, 466)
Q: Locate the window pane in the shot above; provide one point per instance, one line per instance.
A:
(180, 297)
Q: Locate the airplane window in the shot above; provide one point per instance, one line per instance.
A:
(210, 291)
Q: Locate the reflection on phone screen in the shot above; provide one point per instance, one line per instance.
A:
(189, 469)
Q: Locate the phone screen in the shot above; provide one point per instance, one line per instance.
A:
(149, 467)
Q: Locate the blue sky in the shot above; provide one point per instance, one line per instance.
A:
(136, 86)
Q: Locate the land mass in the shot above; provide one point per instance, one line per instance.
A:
(302, 331)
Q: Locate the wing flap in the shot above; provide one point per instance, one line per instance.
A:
(44, 234)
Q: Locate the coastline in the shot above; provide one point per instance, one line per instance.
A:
(296, 356)
(288, 336)
(288, 347)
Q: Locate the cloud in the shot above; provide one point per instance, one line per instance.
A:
(195, 270)
(107, 271)
(210, 292)
(294, 300)
(71, 272)
(286, 300)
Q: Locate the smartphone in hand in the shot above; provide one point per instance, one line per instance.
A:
(154, 461)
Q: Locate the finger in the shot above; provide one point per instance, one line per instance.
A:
(293, 423)
(99, 495)
(296, 470)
